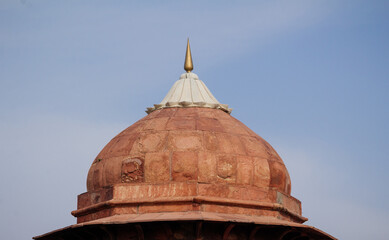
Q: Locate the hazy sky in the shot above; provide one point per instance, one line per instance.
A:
(311, 77)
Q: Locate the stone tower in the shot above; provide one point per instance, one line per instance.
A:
(188, 170)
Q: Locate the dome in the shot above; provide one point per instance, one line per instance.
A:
(189, 144)
(188, 170)
(188, 159)
(183, 159)
(188, 156)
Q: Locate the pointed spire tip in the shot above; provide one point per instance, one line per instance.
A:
(188, 66)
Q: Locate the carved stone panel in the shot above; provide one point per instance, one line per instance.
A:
(132, 170)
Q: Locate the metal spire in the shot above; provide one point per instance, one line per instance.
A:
(188, 66)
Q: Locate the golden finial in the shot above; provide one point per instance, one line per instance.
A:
(188, 66)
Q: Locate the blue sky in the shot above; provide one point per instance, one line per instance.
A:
(311, 77)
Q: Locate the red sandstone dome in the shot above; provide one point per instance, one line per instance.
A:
(188, 155)
(188, 170)
(199, 145)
